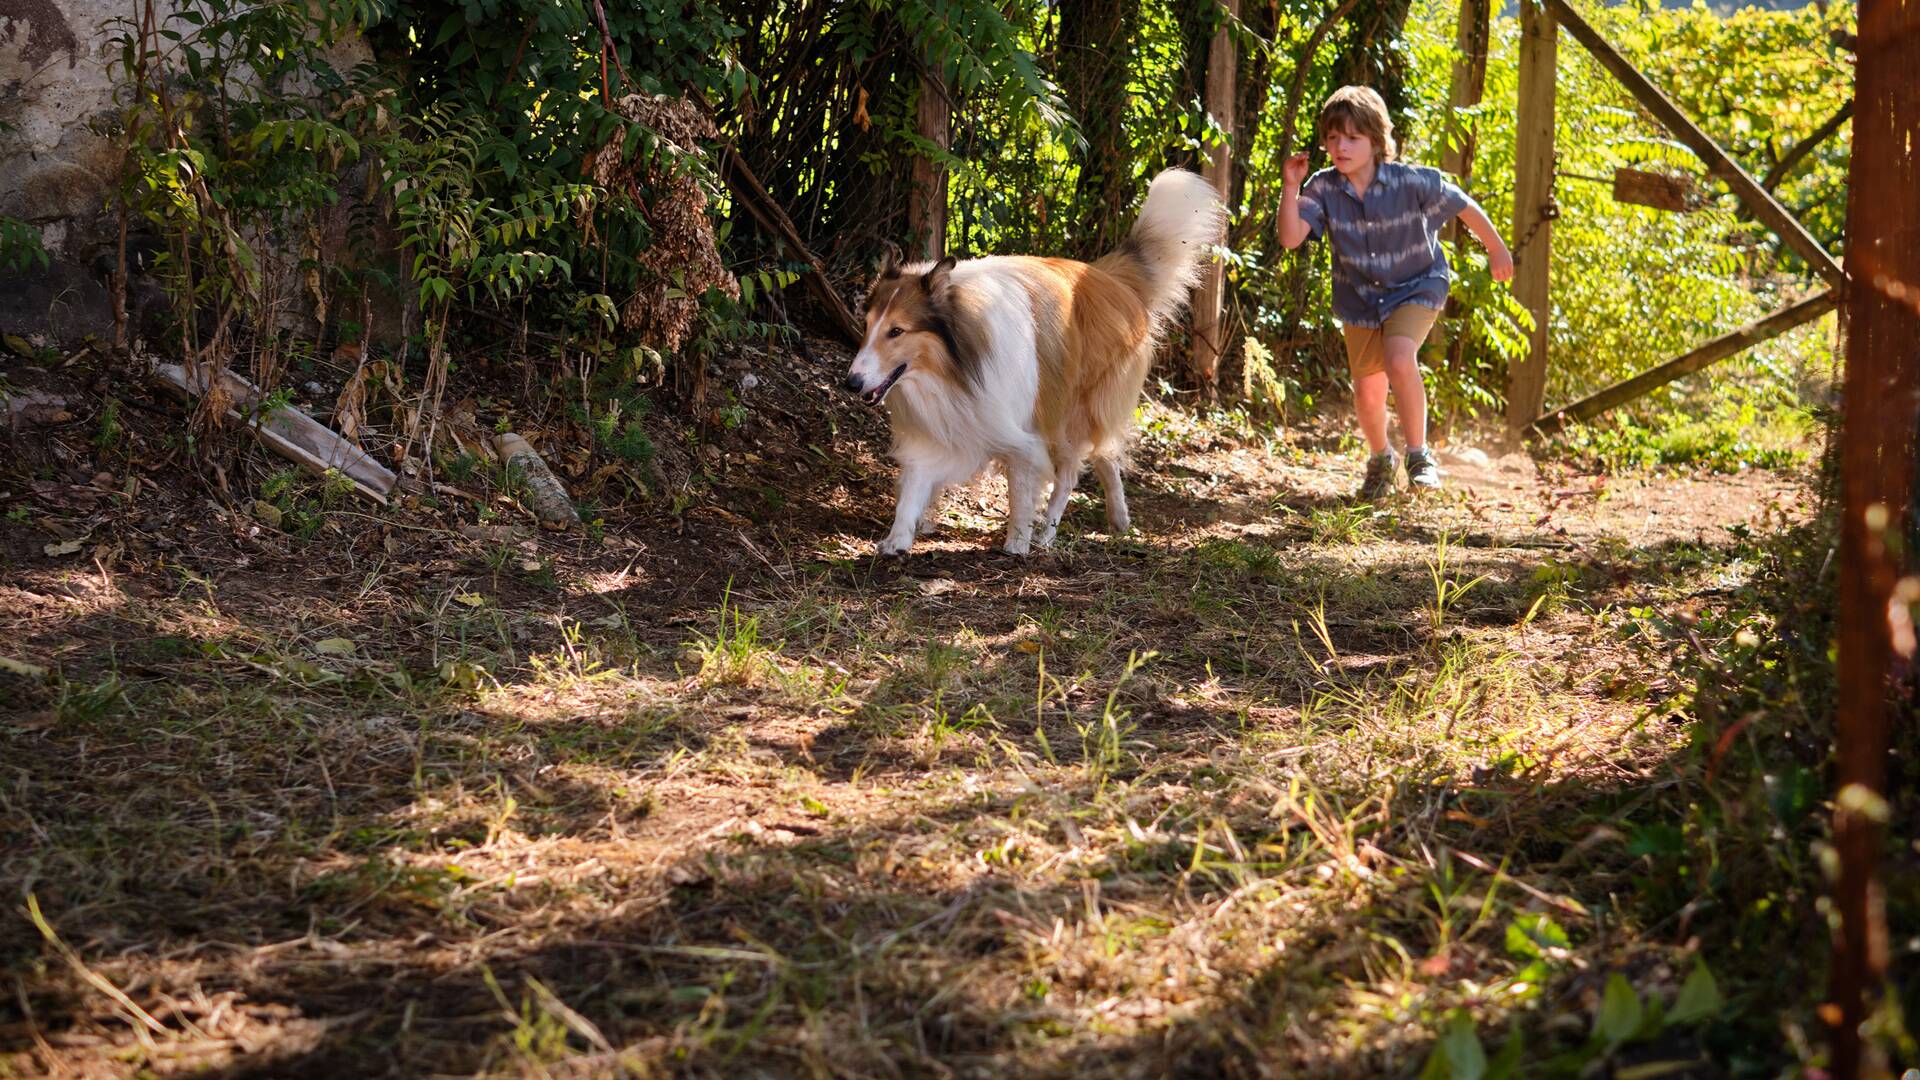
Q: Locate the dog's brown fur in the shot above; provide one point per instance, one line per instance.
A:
(1092, 336)
(1036, 363)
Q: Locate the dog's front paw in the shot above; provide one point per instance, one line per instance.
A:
(896, 545)
(1016, 547)
(1119, 524)
(1044, 539)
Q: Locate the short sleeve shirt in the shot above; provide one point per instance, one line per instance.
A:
(1386, 246)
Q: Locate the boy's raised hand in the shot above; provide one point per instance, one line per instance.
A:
(1294, 171)
(1500, 263)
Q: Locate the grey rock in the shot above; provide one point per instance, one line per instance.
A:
(62, 302)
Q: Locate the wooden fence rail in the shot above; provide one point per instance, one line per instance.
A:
(1687, 363)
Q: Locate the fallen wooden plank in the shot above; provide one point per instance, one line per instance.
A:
(747, 188)
(291, 433)
(1710, 353)
(1719, 162)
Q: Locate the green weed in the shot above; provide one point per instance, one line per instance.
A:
(733, 655)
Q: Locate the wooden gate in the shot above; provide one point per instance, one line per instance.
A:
(1533, 212)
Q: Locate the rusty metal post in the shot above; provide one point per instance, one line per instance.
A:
(1880, 402)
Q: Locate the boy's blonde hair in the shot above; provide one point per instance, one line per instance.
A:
(1361, 110)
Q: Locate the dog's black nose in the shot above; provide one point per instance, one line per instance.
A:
(853, 383)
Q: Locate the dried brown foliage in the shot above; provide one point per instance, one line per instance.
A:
(683, 260)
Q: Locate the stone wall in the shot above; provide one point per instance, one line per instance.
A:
(58, 164)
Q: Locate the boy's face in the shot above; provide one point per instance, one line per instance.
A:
(1349, 150)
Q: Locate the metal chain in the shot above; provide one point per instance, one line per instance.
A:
(1548, 212)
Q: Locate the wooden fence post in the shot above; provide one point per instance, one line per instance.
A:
(1209, 322)
(1533, 210)
(1880, 405)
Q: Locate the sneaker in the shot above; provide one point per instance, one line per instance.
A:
(1422, 470)
(1381, 478)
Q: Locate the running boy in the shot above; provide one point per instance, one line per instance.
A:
(1389, 272)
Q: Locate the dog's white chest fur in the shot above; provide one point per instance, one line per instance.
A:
(956, 434)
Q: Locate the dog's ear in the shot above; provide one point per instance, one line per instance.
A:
(890, 260)
(935, 282)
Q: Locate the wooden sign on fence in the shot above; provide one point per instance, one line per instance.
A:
(1658, 190)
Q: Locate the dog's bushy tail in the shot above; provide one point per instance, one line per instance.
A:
(1162, 257)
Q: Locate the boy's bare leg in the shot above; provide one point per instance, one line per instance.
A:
(1370, 408)
(1409, 395)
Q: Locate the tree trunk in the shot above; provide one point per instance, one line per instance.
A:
(1197, 20)
(1256, 83)
(1095, 53)
(1209, 322)
(1467, 87)
(927, 212)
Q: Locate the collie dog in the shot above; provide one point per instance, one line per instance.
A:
(1035, 363)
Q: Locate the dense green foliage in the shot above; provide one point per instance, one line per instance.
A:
(230, 112)
(20, 247)
(479, 136)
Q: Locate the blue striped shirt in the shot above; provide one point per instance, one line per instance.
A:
(1386, 246)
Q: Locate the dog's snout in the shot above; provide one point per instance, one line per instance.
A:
(853, 383)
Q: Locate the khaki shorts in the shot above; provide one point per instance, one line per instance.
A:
(1367, 345)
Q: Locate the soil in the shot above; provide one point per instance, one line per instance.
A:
(254, 858)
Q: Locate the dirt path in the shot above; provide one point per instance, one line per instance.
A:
(720, 794)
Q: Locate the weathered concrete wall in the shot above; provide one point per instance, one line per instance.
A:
(60, 166)
(57, 161)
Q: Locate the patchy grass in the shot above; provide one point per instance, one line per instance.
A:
(1280, 786)
(1728, 437)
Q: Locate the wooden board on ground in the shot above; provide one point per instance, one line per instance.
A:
(291, 433)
